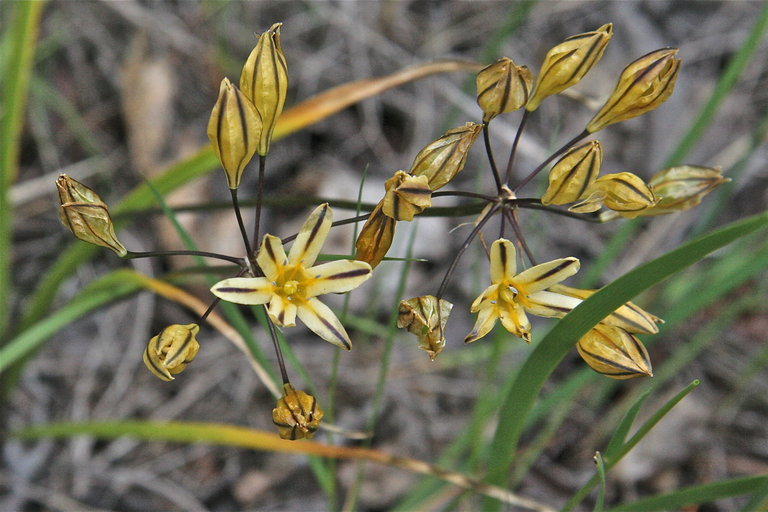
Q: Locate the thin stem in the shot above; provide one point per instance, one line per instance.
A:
(489, 152)
(513, 151)
(150, 254)
(259, 201)
(519, 235)
(503, 225)
(461, 193)
(554, 155)
(341, 222)
(586, 217)
(236, 206)
(278, 351)
(208, 311)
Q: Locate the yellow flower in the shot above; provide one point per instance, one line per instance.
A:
(297, 415)
(422, 317)
(623, 192)
(291, 283)
(614, 352)
(169, 352)
(511, 295)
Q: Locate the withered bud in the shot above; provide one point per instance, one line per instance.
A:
(375, 237)
(682, 187)
(614, 352)
(425, 316)
(264, 81)
(573, 174)
(297, 415)
(568, 62)
(643, 85)
(169, 352)
(406, 196)
(502, 87)
(624, 193)
(86, 215)
(234, 130)
(441, 160)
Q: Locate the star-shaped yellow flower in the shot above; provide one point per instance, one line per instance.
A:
(291, 284)
(511, 295)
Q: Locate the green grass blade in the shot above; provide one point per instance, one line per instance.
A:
(620, 434)
(759, 500)
(599, 503)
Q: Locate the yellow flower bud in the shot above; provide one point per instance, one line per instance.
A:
(682, 187)
(441, 160)
(297, 415)
(234, 129)
(169, 352)
(375, 237)
(614, 352)
(406, 196)
(568, 62)
(643, 85)
(624, 193)
(86, 215)
(502, 87)
(264, 81)
(573, 174)
(425, 317)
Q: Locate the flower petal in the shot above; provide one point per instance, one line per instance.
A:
(485, 299)
(514, 319)
(486, 319)
(545, 275)
(321, 320)
(337, 277)
(503, 264)
(549, 304)
(311, 236)
(244, 290)
(271, 257)
(282, 311)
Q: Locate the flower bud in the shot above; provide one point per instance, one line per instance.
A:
(568, 62)
(375, 238)
(234, 129)
(502, 87)
(264, 81)
(625, 193)
(425, 317)
(86, 215)
(406, 196)
(643, 85)
(614, 352)
(297, 415)
(169, 352)
(441, 160)
(573, 174)
(682, 187)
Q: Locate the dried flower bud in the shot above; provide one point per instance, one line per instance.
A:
(86, 215)
(643, 85)
(264, 81)
(297, 414)
(375, 238)
(625, 193)
(425, 317)
(234, 129)
(169, 352)
(406, 196)
(682, 187)
(568, 62)
(441, 160)
(614, 352)
(502, 87)
(573, 174)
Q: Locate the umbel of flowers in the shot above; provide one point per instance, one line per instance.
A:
(288, 285)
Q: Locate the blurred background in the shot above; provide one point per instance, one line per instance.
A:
(120, 90)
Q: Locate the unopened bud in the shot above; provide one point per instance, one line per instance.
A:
(643, 85)
(573, 174)
(441, 160)
(234, 129)
(375, 237)
(568, 62)
(169, 352)
(614, 352)
(406, 196)
(682, 187)
(264, 81)
(624, 193)
(86, 215)
(425, 317)
(502, 87)
(297, 415)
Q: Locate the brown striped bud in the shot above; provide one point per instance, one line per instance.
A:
(425, 317)
(86, 215)
(567, 63)
(682, 187)
(234, 129)
(264, 81)
(406, 196)
(441, 160)
(169, 352)
(573, 174)
(297, 415)
(375, 237)
(643, 85)
(614, 352)
(502, 87)
(624, 193)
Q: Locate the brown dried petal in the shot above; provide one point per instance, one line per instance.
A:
(376, 237)
(297, 415)
(573, 174)
(441, 160)
(614, 352)
(502, 87)
(406, 196)
(421, 316)
(169, 352)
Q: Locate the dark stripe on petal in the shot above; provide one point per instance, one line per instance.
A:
(232, 289)
(316, 227)
(563, 265)
(349, 273)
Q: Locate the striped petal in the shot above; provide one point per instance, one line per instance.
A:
(503, 265)
(282, 311)
(337, 277)
(486, 319)
(321, 320)
(485, 299)
(271, 257)
(547, 274)
(244, 290)
(550, 304)
(311, 236)
(514, 319)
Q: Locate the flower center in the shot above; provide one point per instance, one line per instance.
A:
(290, 287)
